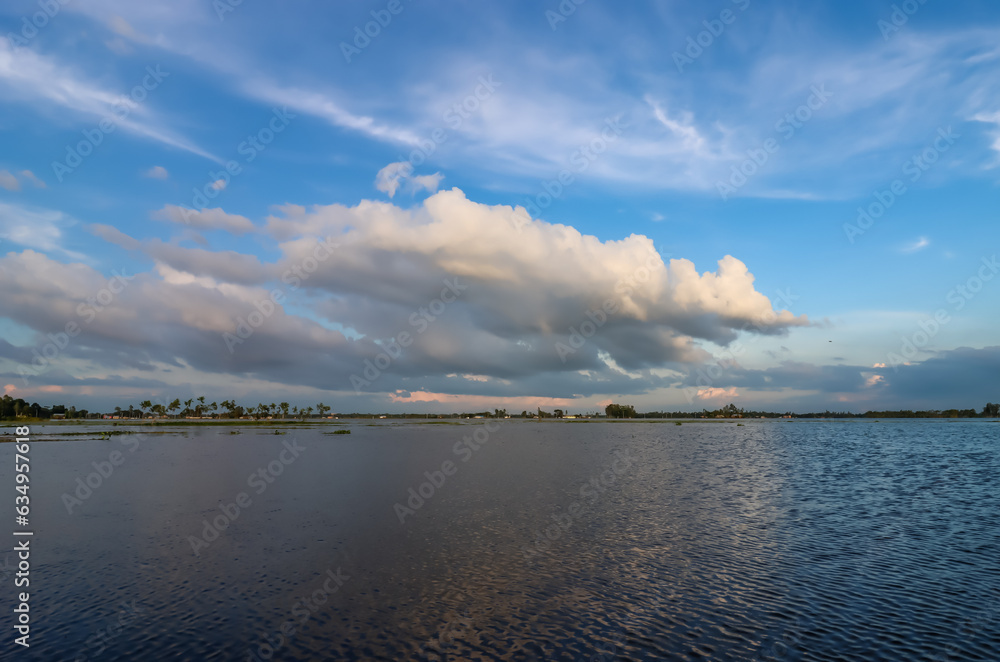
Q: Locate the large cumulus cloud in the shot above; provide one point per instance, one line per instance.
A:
(352, 279)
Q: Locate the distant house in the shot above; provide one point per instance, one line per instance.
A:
(58, 416)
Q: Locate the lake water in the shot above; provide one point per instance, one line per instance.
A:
(803, 540)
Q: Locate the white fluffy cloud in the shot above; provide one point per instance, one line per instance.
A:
(429, 183)
(390, 178)
(524, 287)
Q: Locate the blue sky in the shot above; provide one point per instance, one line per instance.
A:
(727, 148)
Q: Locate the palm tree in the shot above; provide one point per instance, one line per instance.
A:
(144, 405)
(284, 409)
(309, 411)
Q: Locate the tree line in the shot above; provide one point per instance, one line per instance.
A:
(17, 408)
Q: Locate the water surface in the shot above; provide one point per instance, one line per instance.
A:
(804, 540)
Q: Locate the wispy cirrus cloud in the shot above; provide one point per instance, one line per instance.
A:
(324, 105)
(917, 245)
(38, 228)
(33, 78)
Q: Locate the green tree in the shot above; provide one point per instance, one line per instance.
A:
(619, 411)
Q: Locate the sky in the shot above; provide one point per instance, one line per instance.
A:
(418, 206)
